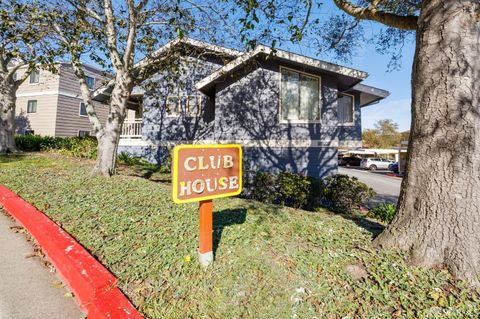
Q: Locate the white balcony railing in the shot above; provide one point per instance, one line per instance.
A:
(132, 128)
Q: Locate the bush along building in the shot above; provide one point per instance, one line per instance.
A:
(289, 112)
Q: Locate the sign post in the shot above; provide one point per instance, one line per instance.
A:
(201, 173)
(205, 247)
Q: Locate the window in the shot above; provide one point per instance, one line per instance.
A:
(90, 82)
(34, 77)
(83, 133)
(82, 109)
(194, 103)
(190, 104)
(32, 106)
(300, 96)
(345, 109)
(173, 106)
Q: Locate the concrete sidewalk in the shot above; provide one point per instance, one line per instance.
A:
(27, 287)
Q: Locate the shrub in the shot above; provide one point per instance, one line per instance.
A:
(343, 193)
(85, 147)
(166, 164)
(287, 188)
(34, 143)
(293, 189)
(262, 187)
(384, 212)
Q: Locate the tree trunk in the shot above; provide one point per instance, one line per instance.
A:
(109, 137)
(438, 215)
(7, 121)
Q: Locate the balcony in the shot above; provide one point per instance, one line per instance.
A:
(132, 128)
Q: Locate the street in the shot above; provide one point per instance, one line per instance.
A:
(386, 187)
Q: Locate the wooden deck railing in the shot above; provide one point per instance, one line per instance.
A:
(132, 128)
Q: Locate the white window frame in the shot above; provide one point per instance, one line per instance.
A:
(80, 109)
(30, 78)
(94, 82)
(353, 110)
(173, 114)
(180, 98)
(198, 101)
(36, 106)
(320, 98)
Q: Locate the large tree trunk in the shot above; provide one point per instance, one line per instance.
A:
(438, 216)
(109, 137)
(7, 121)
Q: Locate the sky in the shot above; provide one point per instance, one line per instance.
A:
(396, 106)
(398, 82)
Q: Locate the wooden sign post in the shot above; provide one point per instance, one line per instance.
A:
(201, 173)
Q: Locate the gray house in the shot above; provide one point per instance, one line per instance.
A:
(288, 111)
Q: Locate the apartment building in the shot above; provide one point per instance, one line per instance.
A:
(51, 104)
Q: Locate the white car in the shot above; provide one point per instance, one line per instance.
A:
(375, 163)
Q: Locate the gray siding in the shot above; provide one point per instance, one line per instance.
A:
(69, 121)
(246, 108)
(157, 124)
(316, 162)
(58, 97)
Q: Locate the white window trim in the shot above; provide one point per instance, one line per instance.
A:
(348, 124)
(94, 82)
(80, 110)
(175, 114)
(320, 100)
(36, 107)
(35, 83)
(179, 101)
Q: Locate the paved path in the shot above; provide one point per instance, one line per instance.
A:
(26, 287)
(386, 187)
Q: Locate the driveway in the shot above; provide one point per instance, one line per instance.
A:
(386, 187)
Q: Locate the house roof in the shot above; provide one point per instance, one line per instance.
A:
(351, 76)
(102, 94)
(348, 78)
(368, 94)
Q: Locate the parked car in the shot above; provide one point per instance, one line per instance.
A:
(375, 163)
(393, 167)
(349, 161)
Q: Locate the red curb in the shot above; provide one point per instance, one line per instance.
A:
(95, 288)
(393, 175)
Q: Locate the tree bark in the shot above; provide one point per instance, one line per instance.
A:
(109, 137)
(438, 215)
(7, 120)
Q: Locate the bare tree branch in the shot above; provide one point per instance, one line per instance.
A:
(132, 34)
(408, 22)
(112, 35)
(81, 6)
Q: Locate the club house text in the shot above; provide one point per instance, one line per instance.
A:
(218, 163)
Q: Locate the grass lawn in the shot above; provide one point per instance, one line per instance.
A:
(271, 262)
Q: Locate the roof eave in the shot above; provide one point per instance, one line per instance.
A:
(204, 84)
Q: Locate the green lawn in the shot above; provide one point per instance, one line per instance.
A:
(271, 262)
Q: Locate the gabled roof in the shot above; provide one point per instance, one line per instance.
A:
(348, 78)
(102, 93)
(262, 50)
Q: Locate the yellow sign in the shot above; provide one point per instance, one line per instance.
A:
(206, 172)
